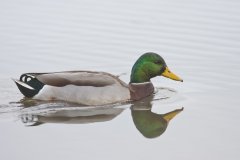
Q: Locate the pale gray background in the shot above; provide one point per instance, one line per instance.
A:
(200, 41)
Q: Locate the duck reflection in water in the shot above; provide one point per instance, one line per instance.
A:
(149, 124)
(66, 113)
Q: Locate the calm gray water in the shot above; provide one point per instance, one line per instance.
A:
(200, 41)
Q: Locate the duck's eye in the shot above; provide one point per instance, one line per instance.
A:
(157, 62)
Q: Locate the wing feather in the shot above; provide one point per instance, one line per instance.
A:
(78, 78)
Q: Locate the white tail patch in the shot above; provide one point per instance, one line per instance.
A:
(23, 84)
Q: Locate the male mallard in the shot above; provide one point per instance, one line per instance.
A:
(96, 88)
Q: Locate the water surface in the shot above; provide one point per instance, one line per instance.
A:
(199, 41)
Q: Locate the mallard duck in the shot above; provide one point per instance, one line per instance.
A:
(96, 88)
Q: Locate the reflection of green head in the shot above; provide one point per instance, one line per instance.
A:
(150, 124)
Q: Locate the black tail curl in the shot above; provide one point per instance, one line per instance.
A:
(29, 85)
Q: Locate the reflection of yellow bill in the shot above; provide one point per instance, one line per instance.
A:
(167, 73)
(171, 115)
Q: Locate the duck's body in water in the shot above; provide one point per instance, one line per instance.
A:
(96, 88)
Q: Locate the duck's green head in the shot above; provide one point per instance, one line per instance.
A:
(150, 65)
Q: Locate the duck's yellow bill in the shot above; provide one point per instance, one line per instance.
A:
(167, 73)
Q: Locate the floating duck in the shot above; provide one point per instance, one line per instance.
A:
(96, 88)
